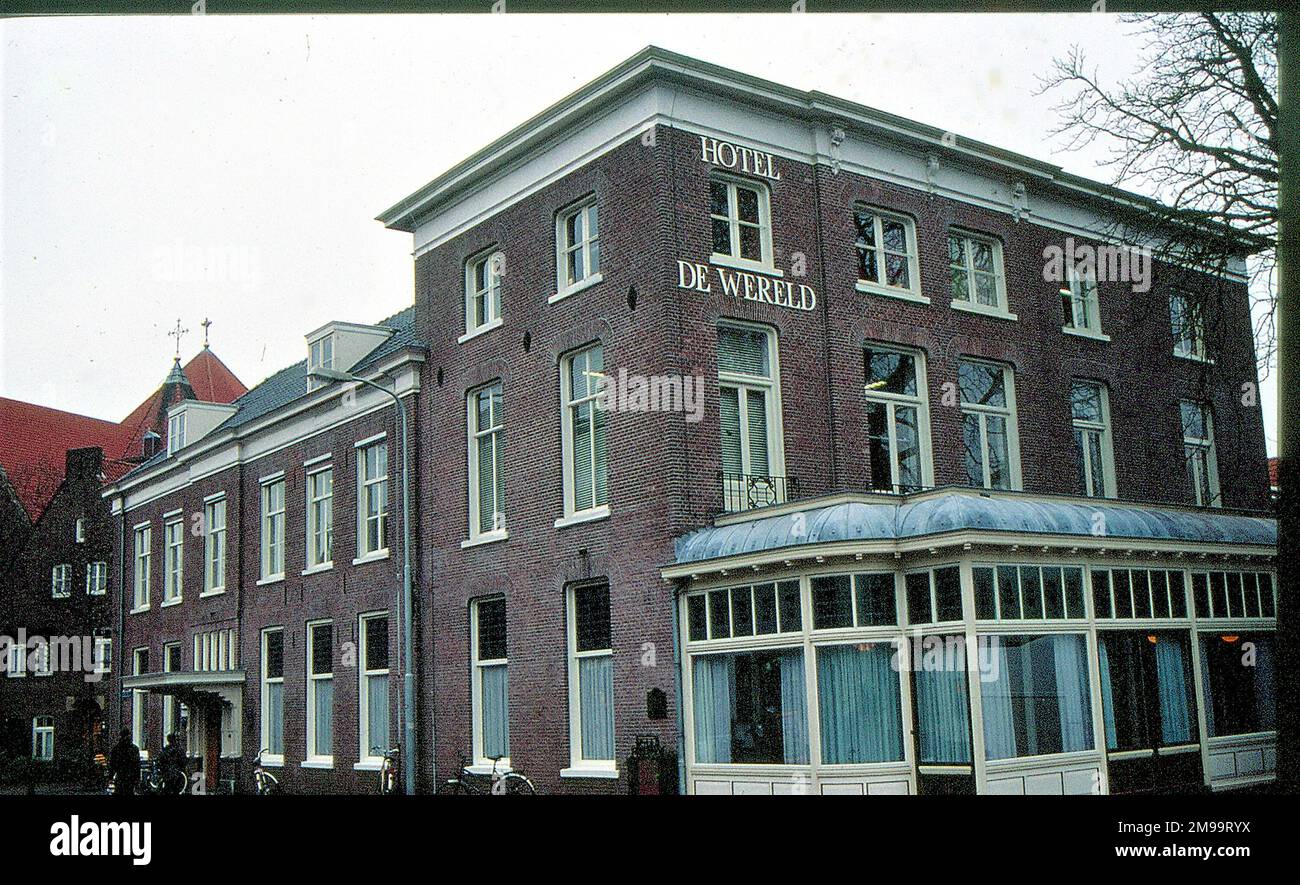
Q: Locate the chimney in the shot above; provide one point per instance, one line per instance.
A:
(84, 464)
(150, 443)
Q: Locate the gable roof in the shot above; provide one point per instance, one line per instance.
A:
(209, 380)
(34, 440)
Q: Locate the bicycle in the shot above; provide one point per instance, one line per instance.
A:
(264, 783)
(389, 783)
(506, 783)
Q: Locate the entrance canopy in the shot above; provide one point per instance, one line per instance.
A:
(880, 524)
(192, 687)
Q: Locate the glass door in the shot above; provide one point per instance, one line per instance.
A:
(1152, 741)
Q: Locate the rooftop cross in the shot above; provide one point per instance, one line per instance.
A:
(177, 333)
(205, 324)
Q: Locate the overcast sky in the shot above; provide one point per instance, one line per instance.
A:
(231, 168)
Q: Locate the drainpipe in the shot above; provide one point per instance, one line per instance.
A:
(118, 671)
(677, 678)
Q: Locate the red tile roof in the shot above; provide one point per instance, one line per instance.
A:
(34, 439)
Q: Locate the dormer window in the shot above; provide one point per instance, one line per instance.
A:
(320, 356)
(175, 433)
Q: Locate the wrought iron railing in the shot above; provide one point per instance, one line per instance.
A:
(750, 491)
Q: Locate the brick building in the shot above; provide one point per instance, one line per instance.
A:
(726, 393)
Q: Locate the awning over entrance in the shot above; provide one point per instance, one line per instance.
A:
(882, 523)
(189, 687)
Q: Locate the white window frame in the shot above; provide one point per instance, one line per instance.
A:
(364, 672)
(920, 402)
(1002, 309)
(80, 532)
(61, 581)
(43, 729)
(139, 700)
(214, 545)
(477, 436)
(477, 666)
(169, 702)
(173, 561)
(912, 292)
(563, 287)
(578, 765)
(176, 433)
(770, 388)
(1007, 412)
(1191, 308)
(365, 483)
(140, 580)
(1206, 445)
(766, 261)
(568, 407)
(271, 557)
(325, 503)
(96, 578)
(16, 665)
(492, 261)
(312, 679)
(103, 646)
(317, 359)
(42, 659)
(1102, 429)
(265, 735)
(1084, 315)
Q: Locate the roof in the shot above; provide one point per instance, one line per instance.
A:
(656, 63)
(290, 383)
(867, 519)
(1272, 473)
(34, 440)
(210, 381)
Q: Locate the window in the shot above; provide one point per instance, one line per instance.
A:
(273, 530)
(174, 576)
(41, 657)
(320, 518)
(898, 432)
(103, 651)
(1122, 593)
(171, 717)
(81, 530)
(863, 600)
(886, 248)
(214, 546)
(487, 482)
(975, 263)
(61, 581)
(742, 221)
(744, 611)
(988, 407)
(96, 578)
(143, 555)
(1146, 690)
(43, 738)
(858, 696)
(1199, 453)
(1234, 595)
(320, 692)
(1035, 697)
(586, 458)
(139, 699)
(1028, 592)
(483, 292)
(753, 464)
(490, 672)
(16, 665)
(372, 501)
(578, 247)
(1090, 415)
(273, 693)
(373, 688)
(942, 701)
(320, 355)
(1188, 326)
(216, 650)
(591, 678)
(1237, 674)
(933, 595)
(1079, 303)
(175, 433)
(750, 707)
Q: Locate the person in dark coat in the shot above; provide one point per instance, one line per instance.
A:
(124, 765)
(172, 762)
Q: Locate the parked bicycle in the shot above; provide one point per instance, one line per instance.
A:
(507, 783)
(158, 781)
(389, 771)
(264, 783)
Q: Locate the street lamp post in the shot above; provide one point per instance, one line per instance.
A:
(408, 675)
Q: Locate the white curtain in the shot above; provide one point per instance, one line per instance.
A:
(377, 701)
(596, 697)
(1072, 693)
(943, 715)
(999, 719)
(1175, 716)
(275, 718)
(860, 710)
(495, 697)
(794, 708)
(713, 679)
(1107, 696)
(324, 717)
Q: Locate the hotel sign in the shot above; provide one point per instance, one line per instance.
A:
(737, 158)
(745, 285)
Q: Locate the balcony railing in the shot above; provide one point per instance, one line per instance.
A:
(750, 491)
